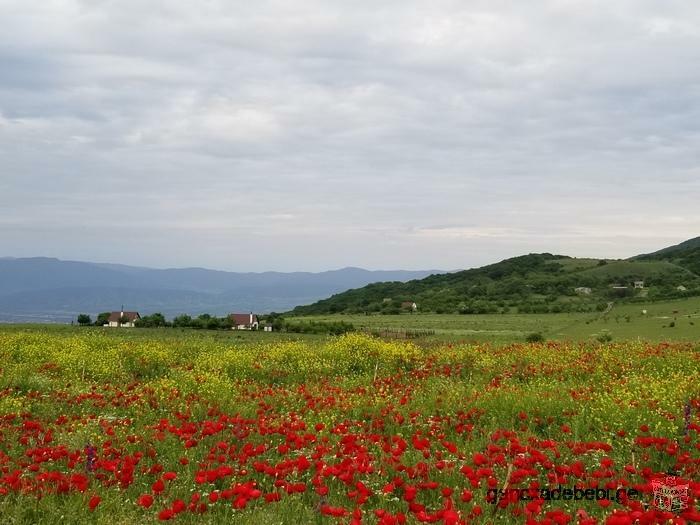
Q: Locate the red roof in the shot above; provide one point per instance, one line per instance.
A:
(114, 317)
(243, 319)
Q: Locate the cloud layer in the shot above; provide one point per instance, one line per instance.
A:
(311, 135)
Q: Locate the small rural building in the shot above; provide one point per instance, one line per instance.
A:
(244, 321)
(267, 328)
(583, 290)
(115, 319)
(681, 288)
(409, 305)
(639, 284)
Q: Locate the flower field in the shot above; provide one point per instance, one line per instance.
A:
(99, 428)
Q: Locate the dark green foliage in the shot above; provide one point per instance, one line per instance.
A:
(535, 283)
(319, 327)
(182, 321)
(685, 255)
(102, 319)
(152, 321)
(201, 322)
(84, 320)
(275, 320)
(279, 324)
(535, 337)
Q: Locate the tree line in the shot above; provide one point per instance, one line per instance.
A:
(211, 322)
(535, 283)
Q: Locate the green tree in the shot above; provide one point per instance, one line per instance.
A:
(182, 321)
(102, 319)
(196, 323)
(84, 320)
(152, 321)
(213, 323)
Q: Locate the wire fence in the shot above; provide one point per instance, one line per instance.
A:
(398, 333)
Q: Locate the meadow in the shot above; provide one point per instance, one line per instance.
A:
(676, 320)
(142, 426)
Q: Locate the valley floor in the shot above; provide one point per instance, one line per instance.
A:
(663, 321)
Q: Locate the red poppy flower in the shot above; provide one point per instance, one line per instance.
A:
(146, 500)
(94, 502)
(158, 486)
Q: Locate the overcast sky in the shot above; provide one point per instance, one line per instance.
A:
(310, 135)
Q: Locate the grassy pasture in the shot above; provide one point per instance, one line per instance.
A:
(162, 334)
(623, 322)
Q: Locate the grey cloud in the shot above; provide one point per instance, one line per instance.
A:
(338, 133)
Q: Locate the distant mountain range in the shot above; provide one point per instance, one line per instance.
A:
(43, 289)
(539, 283)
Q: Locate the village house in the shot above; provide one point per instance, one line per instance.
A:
(583, 290)
(639, 284)
(122, 319)
(681, 288)
(409, 305)
(244, 321)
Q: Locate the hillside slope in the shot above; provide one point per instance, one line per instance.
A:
(536, 283)
(685, 254)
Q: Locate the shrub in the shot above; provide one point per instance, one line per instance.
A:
(319, 327)
(535, 337)
(604, 338)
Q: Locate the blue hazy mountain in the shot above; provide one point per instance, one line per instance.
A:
(45, 289)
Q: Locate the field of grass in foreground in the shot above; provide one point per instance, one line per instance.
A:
(624, 321)
(129, 426)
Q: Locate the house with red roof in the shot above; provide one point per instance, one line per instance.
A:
(122, 319)
(244, 321)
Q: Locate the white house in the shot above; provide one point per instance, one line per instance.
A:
(409, 305)
(129, 319)
(244, 321)
(639, 284)
(583, 290)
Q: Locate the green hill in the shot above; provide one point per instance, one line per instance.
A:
(685, 254)
(534, 283)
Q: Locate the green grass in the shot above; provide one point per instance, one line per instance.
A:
(627, 321)
(575, 265)
(642, 269)
(162, 334)
(623, 322)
